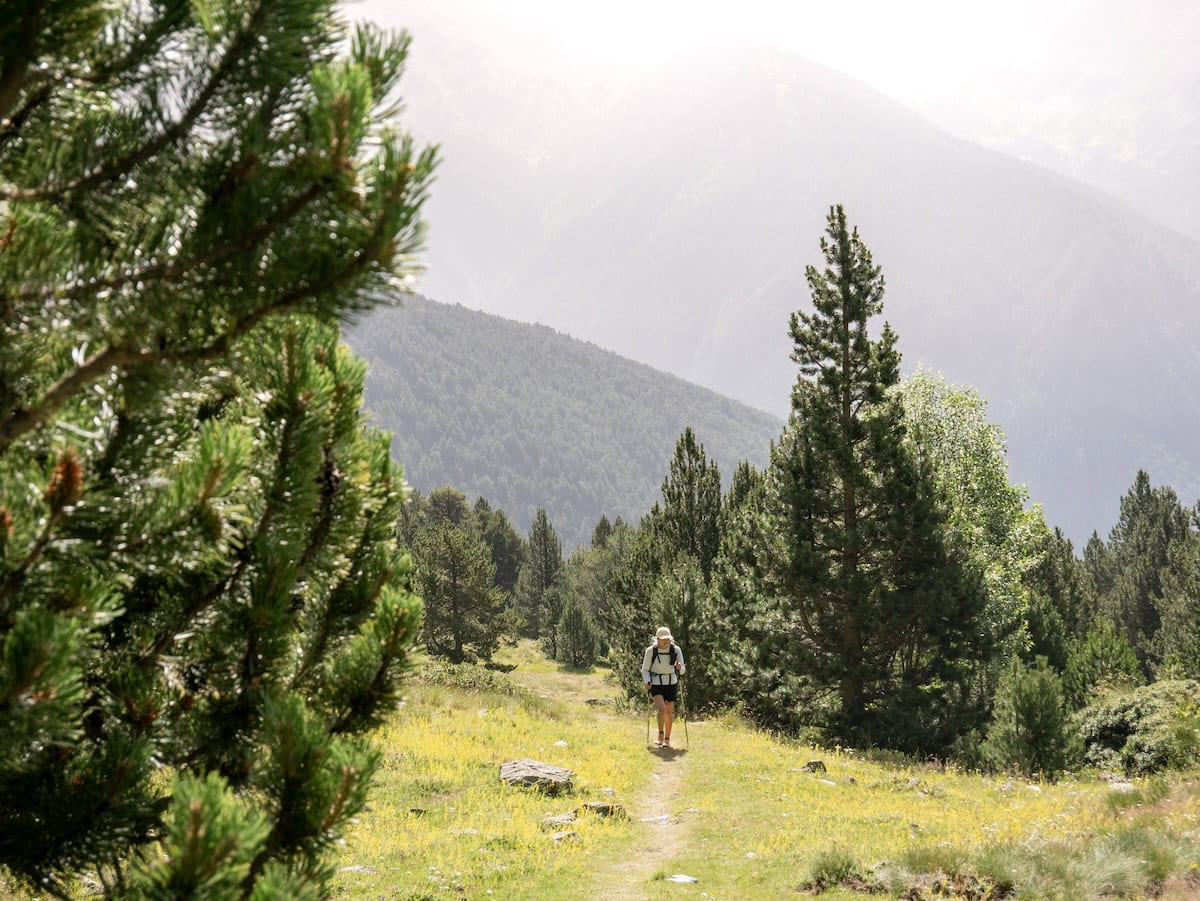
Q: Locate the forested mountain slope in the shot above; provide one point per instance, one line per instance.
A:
(528, 417)
(670, 220)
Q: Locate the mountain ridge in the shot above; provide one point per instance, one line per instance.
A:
(526, 416)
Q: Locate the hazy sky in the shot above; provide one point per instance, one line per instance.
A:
(916, 50)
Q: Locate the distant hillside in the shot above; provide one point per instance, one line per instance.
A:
(529, 417)
(670, 220)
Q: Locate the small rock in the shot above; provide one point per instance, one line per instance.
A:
(750, 855)
(813, 766)
(608, 792)
(827, 781)
(416, 811)
(357, 868)
(464, 831)
(560, 744)
(554, 822)
(1036, 789)
(597, 702)
(601, 809)
(850, 780)
(660, 820)
(680, 877)
(565, 836)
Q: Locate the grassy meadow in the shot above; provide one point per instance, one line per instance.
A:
(744, 820)
(734, 809)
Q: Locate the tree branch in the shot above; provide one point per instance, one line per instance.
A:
(120, 166)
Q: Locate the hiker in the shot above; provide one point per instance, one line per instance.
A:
(662, 665)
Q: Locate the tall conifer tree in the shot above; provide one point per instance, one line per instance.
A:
(691, 510)
(543, 560)
(201, 599)
(871, 601)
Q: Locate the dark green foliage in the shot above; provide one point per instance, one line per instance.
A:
(449, 505)
(739, 590)
(1144, 730)
(528, 417)
(1138, 550)
(691, 508)
(508, 548)
(236, 565)
(1031, 728)
(601, 532)
(578, 641)
(629, 621)
(1101, 659)
(870, 599)
(465, 615)
(1047, 633)
(1062, 578)
(198, 568)
(543, 560)
(1178, 641)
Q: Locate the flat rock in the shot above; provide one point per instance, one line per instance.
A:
(357, 868)
(681, 877)
(554, 822)
(534, 774)
(567, 836)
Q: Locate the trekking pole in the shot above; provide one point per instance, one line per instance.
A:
(686, 738)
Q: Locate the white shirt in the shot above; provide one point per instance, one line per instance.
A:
(657, 669)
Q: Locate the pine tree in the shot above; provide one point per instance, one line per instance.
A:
(1101, 659)
(1060, 577)
(465, 615)
(1032, 730)
(629, 620)
(691, 509)
(1178, 643)
(578, 641)
(601, 532)
(201, 599)
(507, 546)
(543, 561)
(1150, 521)
(871, 600)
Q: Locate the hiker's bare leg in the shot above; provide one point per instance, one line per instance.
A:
(661, 707)
(668, 708)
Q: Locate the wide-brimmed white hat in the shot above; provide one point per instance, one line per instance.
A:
(663, 632)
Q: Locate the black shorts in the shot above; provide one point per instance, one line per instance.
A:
(668, 692)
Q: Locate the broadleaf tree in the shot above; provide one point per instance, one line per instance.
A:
(198, 569)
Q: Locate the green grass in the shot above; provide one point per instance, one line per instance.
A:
(750, 823)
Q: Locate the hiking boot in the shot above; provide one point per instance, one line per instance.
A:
(666, 742)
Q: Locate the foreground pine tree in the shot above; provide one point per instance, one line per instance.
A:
(201, 601)
(864, 596)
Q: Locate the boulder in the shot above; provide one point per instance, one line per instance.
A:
(534, 774)
(813, 766)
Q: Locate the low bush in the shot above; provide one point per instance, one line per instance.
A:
(1144, 730)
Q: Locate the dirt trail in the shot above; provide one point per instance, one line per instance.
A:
(657, 812)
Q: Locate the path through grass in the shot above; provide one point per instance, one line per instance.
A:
(736, 811)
